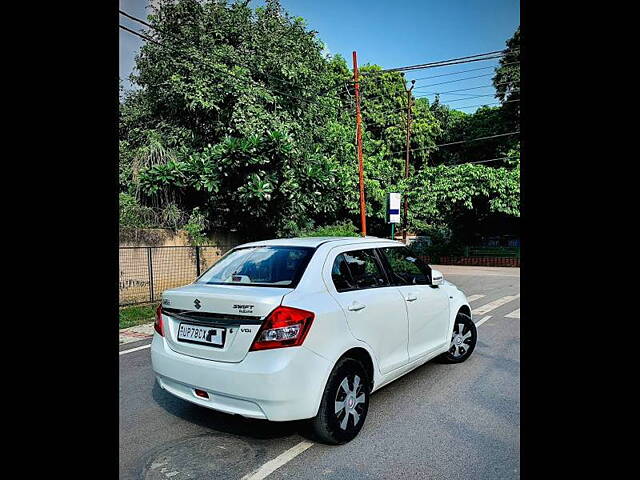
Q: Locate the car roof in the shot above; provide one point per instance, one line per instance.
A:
(315, 242)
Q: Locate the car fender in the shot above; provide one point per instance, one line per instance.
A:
(457, 300)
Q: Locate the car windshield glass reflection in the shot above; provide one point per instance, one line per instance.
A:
(273, 266)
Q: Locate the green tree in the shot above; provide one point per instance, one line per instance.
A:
(507, 77)
(507, 81)
(463, 197)
(231, 116)
(384, 119)
(240, 121)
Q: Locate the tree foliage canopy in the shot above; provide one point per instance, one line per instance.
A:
(240, 117)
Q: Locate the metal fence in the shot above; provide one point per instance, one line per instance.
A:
(145, 272)
(506, 252)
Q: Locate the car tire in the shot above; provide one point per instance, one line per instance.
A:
(463, 340)
(349, 385)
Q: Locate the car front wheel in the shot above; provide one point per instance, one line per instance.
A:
(463, 340)
(344, 404)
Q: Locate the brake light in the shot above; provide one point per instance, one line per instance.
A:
(284, 327)
(157, 324)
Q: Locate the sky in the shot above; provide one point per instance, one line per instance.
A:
(394, 34)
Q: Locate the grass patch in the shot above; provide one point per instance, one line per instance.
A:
(137, 315)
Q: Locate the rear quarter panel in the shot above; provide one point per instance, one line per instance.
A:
(329, 335)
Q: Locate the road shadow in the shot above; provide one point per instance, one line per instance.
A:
(227, 423)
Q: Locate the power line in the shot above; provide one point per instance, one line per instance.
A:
(149, 39)
(324, 92)
(200, 61)
(452, 61)
(465, 89)
(368, 106)
(136, 19)
(467, 98)
(369, 99)
(486, 104)
(442, 83)
(437, 94)
(449, 101)
(454, 81)
(486, 161)
(463, 71)
(478, 105)
(478, 161)
(445, 63)
(455, 73)
(175, 37)
(401, 109)
(431, 65)
(459, 142)
(478, 139)
(461, 163)
(424, 86)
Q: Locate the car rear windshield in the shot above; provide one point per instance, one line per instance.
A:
(271, 266)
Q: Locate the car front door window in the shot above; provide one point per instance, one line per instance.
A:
(406, 268)
(427, 307)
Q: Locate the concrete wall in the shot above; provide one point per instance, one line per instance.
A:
(161, 237)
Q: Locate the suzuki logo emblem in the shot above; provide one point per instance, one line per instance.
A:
(196, 302)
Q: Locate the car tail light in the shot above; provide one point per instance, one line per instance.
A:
(284, 327)
(157, 325)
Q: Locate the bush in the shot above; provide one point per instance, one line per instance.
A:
(196, 227)
(340, 229)
(441, 243)
(134, 215)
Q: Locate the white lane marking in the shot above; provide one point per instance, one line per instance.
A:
(272, 465)
(135, 349)
(482, 320)
(486, 308)
(473, 298)
(514, 314)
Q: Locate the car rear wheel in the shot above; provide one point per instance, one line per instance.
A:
(344, 404)
(463, 340)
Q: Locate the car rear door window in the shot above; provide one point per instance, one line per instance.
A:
(357, 269)
(341, 275)
(405, 268)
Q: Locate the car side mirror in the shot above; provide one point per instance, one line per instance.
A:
(437, 278)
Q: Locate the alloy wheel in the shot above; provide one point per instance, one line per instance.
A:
(350, 399)
(460, 341)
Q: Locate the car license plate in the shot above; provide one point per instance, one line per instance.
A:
(201, 334)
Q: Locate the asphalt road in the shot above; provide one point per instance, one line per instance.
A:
(437, 422)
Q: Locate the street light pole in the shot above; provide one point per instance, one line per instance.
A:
(406, 164)
(356, 79)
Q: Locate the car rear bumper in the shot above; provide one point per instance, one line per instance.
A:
(279, 385)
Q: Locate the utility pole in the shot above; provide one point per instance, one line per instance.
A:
(356, 79)
(406, 164)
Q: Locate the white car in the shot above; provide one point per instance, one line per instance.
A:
(307, 328)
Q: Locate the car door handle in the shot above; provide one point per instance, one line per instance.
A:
(355, 306)
(410, 297)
